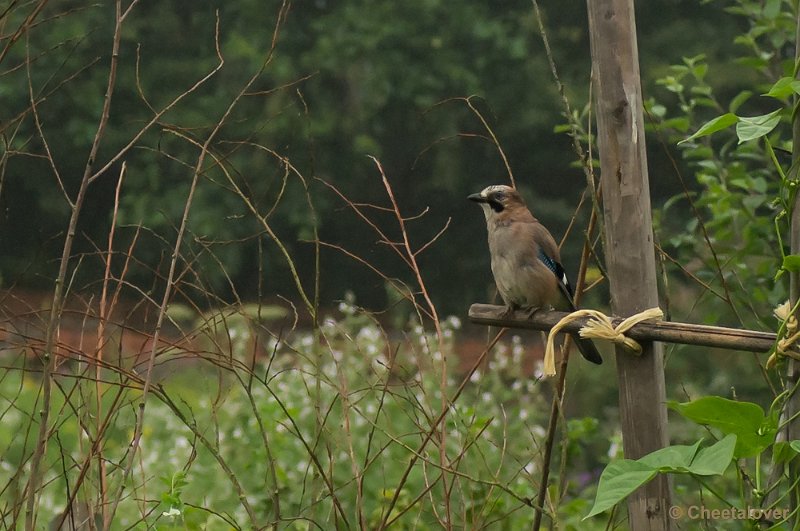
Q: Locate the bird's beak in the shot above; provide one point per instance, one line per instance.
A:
(478, 198)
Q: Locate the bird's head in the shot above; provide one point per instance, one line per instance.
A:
(498, 199)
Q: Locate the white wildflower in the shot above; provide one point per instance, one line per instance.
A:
(613, 449)
(538, 370)
(369, 333)
(517, 352)
(538, 431)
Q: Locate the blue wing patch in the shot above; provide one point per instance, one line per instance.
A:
(557, 270)
(551, 264)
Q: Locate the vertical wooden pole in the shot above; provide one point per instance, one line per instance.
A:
(792, 406)
(630, 256)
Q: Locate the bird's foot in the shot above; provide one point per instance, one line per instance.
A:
(508, 312)
(530, 312)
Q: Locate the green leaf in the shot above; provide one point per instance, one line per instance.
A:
(714, 460)
(752, 127)
(618, 480)
(752, 202)
(783, 452)
(680, 124)
(740, 183)
(782, 88)
(772, 9)
(739, 99)
(759, 184)
(711, 461)
(170, 500)
(754, 431)
(791, 262)
(658, 110)
(699, 71)
(717, 124)
(750, 62)
(621, 478)
(676, 458)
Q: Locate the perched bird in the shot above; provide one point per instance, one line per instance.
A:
(525, 258)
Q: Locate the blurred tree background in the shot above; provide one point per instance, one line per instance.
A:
(301, 100)
(347, 79)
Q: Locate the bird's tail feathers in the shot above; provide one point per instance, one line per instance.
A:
(588, 350)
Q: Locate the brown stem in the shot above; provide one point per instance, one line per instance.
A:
(558, 399)
(58, 292)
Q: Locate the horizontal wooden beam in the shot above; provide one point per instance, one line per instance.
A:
(664, 331)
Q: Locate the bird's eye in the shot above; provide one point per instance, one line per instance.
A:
(500, 197)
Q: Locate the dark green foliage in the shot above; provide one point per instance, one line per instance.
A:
(346, 80)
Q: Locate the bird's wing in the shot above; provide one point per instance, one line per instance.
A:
(548, 254)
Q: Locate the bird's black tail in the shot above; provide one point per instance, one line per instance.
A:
(588, 350)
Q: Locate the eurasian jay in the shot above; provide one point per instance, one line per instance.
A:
(525, 258)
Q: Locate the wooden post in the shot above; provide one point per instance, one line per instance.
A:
(792, 407)
(630, 256)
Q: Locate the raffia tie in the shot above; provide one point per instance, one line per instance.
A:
(784, 346)
(599, 327)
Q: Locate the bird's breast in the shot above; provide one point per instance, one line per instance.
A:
(521, 278)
